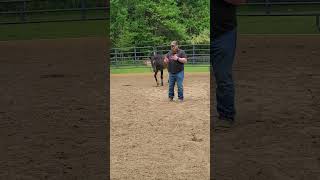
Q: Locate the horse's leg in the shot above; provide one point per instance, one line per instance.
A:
(162, 77)
(155, 77)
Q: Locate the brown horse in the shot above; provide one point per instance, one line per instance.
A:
(158, 64)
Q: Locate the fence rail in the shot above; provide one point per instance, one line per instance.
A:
(198, 54)
(269, 8)
(21, 13)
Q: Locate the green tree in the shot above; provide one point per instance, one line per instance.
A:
(153, 22)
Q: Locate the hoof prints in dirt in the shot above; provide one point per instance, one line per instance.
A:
(195, 139)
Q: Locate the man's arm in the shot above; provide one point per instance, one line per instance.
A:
(183, 58)
(235, 2)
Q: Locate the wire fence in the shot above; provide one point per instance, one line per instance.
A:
(198, 54)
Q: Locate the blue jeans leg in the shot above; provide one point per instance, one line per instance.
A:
(172, 80)
(222, 58)
(180, 77)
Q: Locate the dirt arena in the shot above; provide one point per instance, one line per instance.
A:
(277, 135)
(278, 104)
(152, 138)
(53, 109)
(53, 122)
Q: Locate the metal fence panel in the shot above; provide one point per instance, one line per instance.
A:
(27, 11)
(137, 56)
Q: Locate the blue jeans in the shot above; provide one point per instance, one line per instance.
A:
(173, 78)
(222, 58)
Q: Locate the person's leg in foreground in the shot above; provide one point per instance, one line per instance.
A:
(222, 61)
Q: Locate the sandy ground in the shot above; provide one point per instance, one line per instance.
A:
(278, 104)
(53, 123)
(53, 109)
(152, 138)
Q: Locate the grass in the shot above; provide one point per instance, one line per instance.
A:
(143, 69)
(54, 30)
(280, 8)
(99, 28)
(277, 25)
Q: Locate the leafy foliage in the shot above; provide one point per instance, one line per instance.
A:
(154, 22)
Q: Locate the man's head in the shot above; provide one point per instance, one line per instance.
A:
(174, 46)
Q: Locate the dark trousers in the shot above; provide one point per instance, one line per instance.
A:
(222, 58)
(173, 78)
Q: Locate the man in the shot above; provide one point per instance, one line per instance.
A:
(223, 46)
(175, 58)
